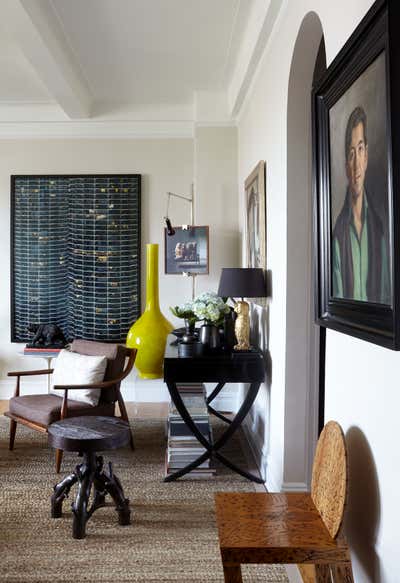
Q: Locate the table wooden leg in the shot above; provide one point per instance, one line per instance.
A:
(323, 574)
(232, 574)
(13, 429)
(59, 457)
(342, 573)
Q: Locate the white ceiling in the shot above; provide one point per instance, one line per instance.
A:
(136, 61)
(158, 51)
(19, 81)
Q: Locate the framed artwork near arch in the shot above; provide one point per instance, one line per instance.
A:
(255, 217)
(356, 156)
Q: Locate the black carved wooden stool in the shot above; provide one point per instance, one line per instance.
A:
(87, 435)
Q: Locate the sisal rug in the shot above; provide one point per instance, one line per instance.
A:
(173, 536)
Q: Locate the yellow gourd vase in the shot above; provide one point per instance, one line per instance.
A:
(149, 333)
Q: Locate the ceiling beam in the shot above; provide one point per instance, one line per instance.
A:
(262, 18)
(35, 27)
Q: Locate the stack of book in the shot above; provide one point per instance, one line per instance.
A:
(183, 447)
(42, 351)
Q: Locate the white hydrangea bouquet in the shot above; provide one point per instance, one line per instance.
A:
(185, 311)
(209, 307)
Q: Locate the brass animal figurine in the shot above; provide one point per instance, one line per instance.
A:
(242, 326)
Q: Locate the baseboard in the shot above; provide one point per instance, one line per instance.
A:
(256, 444)
(294, 487)
(268, 467)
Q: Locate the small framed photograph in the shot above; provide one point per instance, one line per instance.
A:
(255, 209)
(356, 157)
(187, 250)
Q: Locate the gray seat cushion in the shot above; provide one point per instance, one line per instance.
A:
(45, 409)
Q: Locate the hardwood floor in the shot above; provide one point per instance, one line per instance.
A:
(147, 410)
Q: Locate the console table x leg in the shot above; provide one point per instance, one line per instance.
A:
(212, 449)
(211, 398)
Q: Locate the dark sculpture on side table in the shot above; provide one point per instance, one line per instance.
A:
(46, 336)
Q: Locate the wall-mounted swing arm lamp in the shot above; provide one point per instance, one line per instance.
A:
(170, 229)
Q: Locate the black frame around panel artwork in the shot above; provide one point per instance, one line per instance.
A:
(82, 270)
(376, 37)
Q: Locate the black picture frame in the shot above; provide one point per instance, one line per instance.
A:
(66, 185)
(192, 261)
(367, 319)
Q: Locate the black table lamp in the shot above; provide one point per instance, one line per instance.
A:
(242, 282)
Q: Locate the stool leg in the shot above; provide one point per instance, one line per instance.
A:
(99, 496)
(61, 491)
(113, 486)
(85, 472)
(232, 574)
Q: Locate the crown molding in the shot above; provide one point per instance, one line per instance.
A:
(95, 130)
(216, 124)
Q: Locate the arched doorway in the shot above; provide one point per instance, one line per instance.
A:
(302, 336)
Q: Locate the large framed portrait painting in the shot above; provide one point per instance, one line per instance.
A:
(356, 160)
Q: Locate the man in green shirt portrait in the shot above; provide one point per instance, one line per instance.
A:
(360, 269)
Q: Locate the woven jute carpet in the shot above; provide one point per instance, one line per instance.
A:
(173, 536)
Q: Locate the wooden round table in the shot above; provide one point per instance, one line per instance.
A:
(88, 435)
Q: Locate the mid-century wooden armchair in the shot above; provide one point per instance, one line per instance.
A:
(296, 527)
(39, 411)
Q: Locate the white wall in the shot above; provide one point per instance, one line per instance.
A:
(209, 161)
(215, 172)
(216, 205)
(165, 164)
(361, 379)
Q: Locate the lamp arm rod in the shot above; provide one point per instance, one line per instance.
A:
(181, 196)
(188, 199)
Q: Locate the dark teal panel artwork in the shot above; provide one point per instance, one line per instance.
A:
(75, 254)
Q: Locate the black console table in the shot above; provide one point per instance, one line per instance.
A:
(220, 367)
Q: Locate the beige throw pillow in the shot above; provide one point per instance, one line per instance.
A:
(71, 368)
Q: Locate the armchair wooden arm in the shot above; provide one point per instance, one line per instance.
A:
(26, 373)
(99, 385)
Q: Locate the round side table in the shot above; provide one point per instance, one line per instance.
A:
(87, 435)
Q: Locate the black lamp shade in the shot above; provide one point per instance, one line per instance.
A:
(242, 282)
